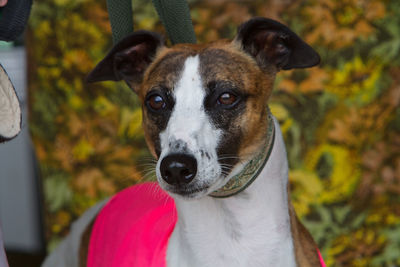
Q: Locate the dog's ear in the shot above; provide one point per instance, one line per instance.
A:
(128, 59)
(272, 43)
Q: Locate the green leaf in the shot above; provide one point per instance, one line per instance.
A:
(57, 191)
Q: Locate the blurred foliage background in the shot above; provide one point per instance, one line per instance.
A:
(341, 121)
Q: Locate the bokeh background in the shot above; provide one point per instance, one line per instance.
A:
(341, 121)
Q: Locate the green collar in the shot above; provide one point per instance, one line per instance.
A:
(252, 169)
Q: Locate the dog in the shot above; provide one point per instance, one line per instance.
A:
(220, 152)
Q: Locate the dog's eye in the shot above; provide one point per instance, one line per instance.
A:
(156, 102)
(226, 99)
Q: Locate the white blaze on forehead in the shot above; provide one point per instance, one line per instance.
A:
(188, 117)
(190, 126)
(188, 113)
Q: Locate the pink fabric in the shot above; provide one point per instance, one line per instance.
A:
(133, 228)
(321, 260)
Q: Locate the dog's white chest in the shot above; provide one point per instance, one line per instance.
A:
(251, 229)
(217, 241)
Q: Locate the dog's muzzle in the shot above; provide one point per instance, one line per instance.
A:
(178, 169)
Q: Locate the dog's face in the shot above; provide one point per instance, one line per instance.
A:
(200, 113)
(204, 106)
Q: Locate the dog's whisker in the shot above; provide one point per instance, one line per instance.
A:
(146, 158)
(232, 157)
(146, 164)
(149, 176)
(149, 168)
(149, 173)
(228, 167)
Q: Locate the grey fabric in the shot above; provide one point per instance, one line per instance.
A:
(67, 253)
(3, 258)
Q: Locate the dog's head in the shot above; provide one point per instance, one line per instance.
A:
(204, 106)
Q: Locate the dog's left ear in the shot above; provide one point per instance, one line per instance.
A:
(272, 43)
(128, 59)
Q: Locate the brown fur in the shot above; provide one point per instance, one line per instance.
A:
(84, 245)
(305, 248)
(230, 64)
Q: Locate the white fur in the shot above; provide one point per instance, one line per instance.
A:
(249, 229)
(196, 134)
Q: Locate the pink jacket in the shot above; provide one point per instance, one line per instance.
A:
(133, 228)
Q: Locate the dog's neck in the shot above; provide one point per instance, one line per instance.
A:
(251, 228)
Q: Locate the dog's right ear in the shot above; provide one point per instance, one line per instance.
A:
(271, 43)
(128, 59)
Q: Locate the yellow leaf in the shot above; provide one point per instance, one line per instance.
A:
(83, 150)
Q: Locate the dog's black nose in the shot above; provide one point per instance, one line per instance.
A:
(178, 168)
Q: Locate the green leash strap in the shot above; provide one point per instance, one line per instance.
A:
(175, 15)
(120, 12)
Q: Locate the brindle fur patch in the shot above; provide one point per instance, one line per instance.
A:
(244, 130)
